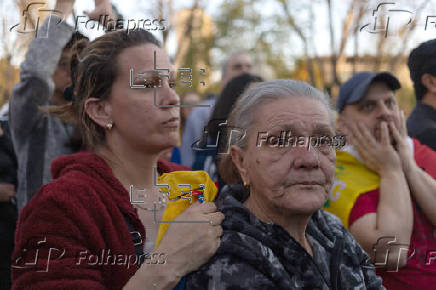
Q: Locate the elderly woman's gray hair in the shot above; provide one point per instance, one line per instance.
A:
(243, 114)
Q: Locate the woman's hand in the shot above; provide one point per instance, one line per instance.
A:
(190, 245)
(187, 246)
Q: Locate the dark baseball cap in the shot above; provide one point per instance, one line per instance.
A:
(353, 90)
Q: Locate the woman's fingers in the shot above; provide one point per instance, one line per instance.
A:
(206, 207)
(216, 218)
(216, 231)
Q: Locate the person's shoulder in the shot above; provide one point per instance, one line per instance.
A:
(328, 219)
(229, 272)
(64, 200)
(206, 108)
(69, 186)
(420, 148)
(333, 227)
(425, 157)
(337, 229)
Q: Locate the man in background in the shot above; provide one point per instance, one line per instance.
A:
(385, 187)
(236, 64)
(422, 121)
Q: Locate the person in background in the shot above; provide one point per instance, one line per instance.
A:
(385, 187)
(422, 121)
(190, 98)
(102, 200)
(44, 74)
(207, 160)
(236, 64)
(8, 206)
(4, 110)
(275, 234)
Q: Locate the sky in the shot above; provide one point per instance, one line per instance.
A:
(141, 10)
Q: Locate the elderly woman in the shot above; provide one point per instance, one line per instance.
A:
(275, 234)
(83, 231)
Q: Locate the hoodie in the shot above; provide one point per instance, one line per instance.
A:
(258, 255)
(38, 138)
(72, 234)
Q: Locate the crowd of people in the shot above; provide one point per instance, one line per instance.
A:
(85, 158)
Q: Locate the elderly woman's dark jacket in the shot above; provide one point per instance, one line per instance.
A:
(258, 255)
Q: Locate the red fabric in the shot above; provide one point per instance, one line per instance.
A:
(79, 216)
(365, 203)
(420, 270)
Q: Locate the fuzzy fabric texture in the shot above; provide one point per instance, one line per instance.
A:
(74, 231)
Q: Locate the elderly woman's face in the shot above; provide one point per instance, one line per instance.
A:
(289, 178)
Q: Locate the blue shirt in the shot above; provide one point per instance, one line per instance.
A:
(194, 128)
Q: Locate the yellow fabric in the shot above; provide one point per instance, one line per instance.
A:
(352, 179)
(178, 185)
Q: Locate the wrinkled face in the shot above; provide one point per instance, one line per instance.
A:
(61, 76)
(290, 179)
(136, 119)
(237, 65)
(376, 106)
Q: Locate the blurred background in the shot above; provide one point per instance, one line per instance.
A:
(322, 42)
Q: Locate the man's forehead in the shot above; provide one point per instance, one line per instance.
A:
(376, 91)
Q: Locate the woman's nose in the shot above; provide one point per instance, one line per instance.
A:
(305, 157)
(167, 96)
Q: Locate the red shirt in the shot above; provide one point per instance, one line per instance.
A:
(420, 270)
(72, 234)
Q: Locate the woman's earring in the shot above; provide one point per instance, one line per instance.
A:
(245, 184)
(109, 126)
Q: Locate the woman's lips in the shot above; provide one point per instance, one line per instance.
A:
(171, 123)
(309, 183)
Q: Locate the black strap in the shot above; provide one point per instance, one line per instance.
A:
(137, 241)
